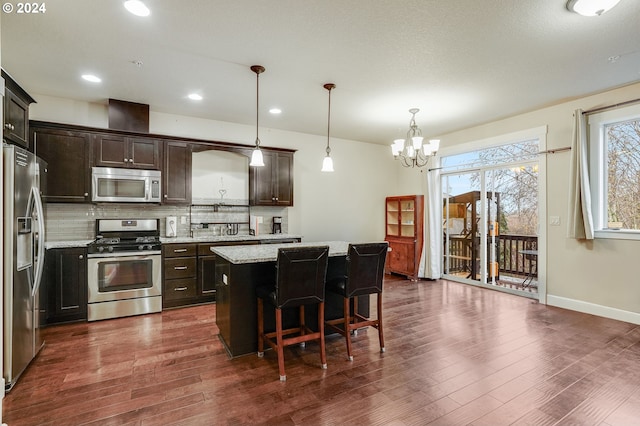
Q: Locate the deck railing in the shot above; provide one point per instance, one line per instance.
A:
(512, 260)
(510, 256)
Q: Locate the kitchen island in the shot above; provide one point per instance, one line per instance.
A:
(240, 269)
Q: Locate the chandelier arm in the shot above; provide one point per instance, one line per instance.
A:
(421, 159)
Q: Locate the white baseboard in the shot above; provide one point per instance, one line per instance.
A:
(593, 309)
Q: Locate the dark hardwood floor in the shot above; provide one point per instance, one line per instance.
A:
(455, 355)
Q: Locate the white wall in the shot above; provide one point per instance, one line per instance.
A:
(600, 277)
(345, 205)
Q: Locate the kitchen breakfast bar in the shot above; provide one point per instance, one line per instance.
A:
(240, 269)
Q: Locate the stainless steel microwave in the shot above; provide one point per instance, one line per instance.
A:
(115, 185)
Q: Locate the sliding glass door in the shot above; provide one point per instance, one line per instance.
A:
(490, 217)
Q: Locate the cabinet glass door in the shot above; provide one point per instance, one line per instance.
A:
(393, 218)
(407, 218)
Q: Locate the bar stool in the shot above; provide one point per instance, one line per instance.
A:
(365, 273)
(300, 281)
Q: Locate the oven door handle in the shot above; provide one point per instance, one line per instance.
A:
(125, 254)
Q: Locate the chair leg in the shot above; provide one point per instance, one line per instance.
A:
(283, 376)
(323, 353)
(303, 328)
(380, 333)
(347, 327)
(260, 328)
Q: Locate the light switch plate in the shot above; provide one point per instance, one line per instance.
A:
(554, 220)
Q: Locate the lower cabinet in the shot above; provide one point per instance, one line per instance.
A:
(64, 291)
(402, 259)
(179, 275)
(189, 271)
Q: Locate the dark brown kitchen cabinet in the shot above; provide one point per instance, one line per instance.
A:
(68, 157)
(113, 150)
(189, 272)
(207, 267)
(176, 174)
(272, 185)
(179, 276)
(64, 291)
(16, 112)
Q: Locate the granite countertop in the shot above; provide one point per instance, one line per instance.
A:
(164, 240)
(269, 252)
(218, 238)
(66, 244)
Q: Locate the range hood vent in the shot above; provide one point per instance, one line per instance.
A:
(128, 116)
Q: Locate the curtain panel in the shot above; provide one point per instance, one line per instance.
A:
(431, 261)
(580, 223)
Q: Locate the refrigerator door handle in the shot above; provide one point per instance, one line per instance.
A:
(35, 192)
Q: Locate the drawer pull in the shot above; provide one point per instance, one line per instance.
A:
(179, 250)
(180, 268)
(180, 288)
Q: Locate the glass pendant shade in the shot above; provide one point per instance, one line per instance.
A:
(327, 164)
(417, 142)
(256, 158)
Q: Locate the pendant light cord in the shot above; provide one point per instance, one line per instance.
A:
(329, 124)
(258, 69)
(257, 108)
(329, 86)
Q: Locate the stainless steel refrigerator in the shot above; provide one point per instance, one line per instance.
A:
(23, 221)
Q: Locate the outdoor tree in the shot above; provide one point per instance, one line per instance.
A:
(623, 174)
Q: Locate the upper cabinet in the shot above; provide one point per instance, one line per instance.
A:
(272, 185)
(176, 174)
(67, 153)
(16, 112)
(113, 150)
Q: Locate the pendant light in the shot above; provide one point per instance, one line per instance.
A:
(256, 156)
(327, 163)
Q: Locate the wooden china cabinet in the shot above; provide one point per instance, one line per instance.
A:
(404, 232)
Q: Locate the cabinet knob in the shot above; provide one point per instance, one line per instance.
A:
(81, 257)
(86, 194)
(7, 126)
(179, 288)
(166, 196)
(179, 268)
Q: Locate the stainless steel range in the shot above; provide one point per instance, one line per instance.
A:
(124, 269)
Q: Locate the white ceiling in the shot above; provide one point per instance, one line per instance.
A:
(462, 62)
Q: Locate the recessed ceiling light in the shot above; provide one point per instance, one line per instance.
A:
(137, 7)
(591, 7)
(194, 97)
(275, 110)
(92, 78)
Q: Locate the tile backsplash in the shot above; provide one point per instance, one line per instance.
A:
(70, 222)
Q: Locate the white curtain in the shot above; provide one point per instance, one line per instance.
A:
(431, 260)
(580, 223)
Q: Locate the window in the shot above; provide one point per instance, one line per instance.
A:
(614, 147)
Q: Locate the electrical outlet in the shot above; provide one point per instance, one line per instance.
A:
(554, 220)
(183, 220)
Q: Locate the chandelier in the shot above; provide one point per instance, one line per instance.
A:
(411, 151)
